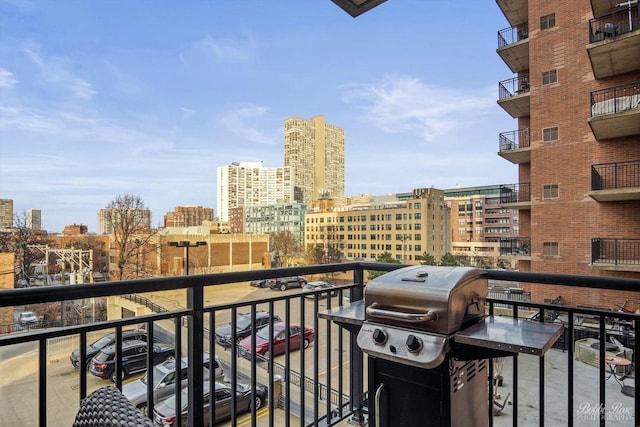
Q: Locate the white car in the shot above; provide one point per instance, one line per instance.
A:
(27, 318)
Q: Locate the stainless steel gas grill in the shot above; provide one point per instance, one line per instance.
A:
(428, 339)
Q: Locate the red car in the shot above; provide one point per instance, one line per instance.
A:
(296, 336)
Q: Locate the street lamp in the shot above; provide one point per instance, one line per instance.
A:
(186, 245)
(404, 239)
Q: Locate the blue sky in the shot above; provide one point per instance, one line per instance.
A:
(110, 97)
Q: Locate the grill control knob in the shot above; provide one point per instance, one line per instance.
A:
(379, 336)
(414, 344)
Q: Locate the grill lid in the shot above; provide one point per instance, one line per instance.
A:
(428, 298)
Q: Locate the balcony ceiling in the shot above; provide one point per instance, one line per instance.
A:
(518, 156)
(517, 106)
(523, 206)
(611, 57)
(616, 195)
(357, 7)
(602, 7)
(618, 125)
(516, 11)
(516, 55)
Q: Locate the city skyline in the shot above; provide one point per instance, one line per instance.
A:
(153, 109)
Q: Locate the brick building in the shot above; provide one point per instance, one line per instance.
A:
(575, 96)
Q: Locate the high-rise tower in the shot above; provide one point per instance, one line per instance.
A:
(314, 150)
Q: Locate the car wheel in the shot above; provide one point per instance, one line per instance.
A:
(169, 357)
(143, 408)
(257, 404)
(306, 343)
(283, 287)
(123, 375)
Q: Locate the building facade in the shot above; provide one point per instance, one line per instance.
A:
(34, 219)
(575, 98)
(108, 218)
(314, 150)
(245, 184)
(406, 225)
(187, 216)
(275, 218)
(6, 213)
(478, 223)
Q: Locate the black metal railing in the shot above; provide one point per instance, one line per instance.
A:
(514, 139)
(322, 385)
(610, 176)
(615, 251)
(515, 246)
(512, 35)
(515, 193)
(615, 24)
(615, 99)
(514, 86)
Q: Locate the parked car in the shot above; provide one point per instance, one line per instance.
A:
(105, 341)
(285, 283)
(259, 283)
(164, 378)
(134, 359)
(27, 318)
(243, 327)
(164, 414)
(297, 335)
(319, 285)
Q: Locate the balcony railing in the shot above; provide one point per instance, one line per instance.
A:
(515, 246)
(616, 99)
(512, 35)
(514, 139)
(615, 251)
(324, 384)
(615, 24)
(610, 176)
(514, 86)
(515, 193)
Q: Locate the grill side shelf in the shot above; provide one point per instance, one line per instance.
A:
(497, 336)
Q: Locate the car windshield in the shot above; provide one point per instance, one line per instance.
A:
(264, 332)
(102, 342)
(158, 376)
(101, 357)
(243, 321)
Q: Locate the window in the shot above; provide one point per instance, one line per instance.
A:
(550, 134)
(549, 77)
(550, 249)
(547, 21)
(550, 191)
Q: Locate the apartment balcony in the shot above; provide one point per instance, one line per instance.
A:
(326, 383)
(614, 42)
(615, 112)
(515, 146)
(513, 47)
(514, 96)
(615, 254)
(516, 196)
(516, 11)
(518, 247)
(615, 182)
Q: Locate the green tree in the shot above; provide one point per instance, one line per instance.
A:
(449, 260)
(385, 258)
(428, 259)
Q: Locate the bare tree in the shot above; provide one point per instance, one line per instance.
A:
(21, 239)
(285, 245)
(132, 235)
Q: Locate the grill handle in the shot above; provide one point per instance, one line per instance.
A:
(374, 311)
(377, 405)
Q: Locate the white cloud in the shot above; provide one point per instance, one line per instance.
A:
(55, 70)
(7, 80)
(223, 50)
(236, 122)
(405, 104)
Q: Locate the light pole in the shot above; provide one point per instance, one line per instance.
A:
(404, 239)
(186, 245)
